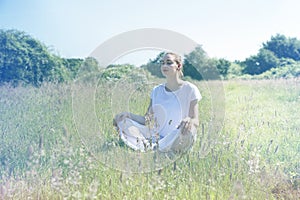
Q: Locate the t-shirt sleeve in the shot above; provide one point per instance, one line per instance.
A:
(152, 95)
(195, 93)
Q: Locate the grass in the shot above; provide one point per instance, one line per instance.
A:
(58, 142)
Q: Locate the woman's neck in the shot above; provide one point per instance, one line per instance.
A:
(174, 83)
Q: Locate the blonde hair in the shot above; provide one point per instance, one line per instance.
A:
(178, 60)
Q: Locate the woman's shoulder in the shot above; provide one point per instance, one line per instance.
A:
(193, 90)
(157, 88)
(190, 85)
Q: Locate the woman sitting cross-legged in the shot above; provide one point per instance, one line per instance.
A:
(171, 121)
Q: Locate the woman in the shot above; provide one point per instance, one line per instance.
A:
(171, 121)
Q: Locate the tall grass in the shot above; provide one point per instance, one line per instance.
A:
(44, 154)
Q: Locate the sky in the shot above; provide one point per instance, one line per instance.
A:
(230, 29)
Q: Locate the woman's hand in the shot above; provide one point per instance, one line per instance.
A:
(187, 125)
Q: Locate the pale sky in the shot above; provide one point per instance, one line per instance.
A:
(230, 29)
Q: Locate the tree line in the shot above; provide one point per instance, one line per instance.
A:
(277, 58)
(26, 60)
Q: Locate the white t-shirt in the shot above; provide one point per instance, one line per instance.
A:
(170, 108)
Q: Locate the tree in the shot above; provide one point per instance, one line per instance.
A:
(284, 47)
(261, 62)
(235, 70)
(199, 66)
(153, 66)
(73, 65)
(195, 62)
(222, 65)
(25, 59)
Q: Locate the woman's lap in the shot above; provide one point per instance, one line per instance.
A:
(138, 137)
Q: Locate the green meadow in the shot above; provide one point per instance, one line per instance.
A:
(58, 142)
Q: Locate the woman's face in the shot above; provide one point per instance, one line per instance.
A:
(168, 65)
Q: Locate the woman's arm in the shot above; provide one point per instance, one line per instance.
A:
(193, 120)
(193, 112)
(138, 118)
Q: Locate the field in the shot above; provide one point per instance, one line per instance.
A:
(58, 142)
